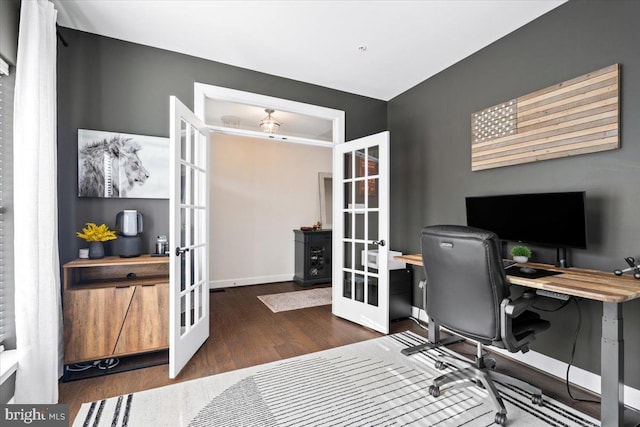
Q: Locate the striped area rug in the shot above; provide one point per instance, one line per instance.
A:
(364, 384)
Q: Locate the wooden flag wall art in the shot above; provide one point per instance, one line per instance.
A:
(578, 116)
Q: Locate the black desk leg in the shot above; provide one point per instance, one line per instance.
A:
(612, 366)
(434, 340)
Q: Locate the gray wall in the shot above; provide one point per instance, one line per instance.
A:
(9, 20)
(107, 84)
(431, 155)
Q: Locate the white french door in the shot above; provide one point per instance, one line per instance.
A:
(188, 234)
(361, 231)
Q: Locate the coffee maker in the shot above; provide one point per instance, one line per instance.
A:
(129, 226)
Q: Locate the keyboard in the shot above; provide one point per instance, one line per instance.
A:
(506, 263)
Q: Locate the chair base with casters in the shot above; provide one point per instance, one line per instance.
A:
(481, 373)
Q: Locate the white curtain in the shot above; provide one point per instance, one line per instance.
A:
(37, 266)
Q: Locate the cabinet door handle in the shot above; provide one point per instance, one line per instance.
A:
(180, 251)
(378, 242)
(123, 287)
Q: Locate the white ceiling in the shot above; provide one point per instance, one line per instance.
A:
(314, 41)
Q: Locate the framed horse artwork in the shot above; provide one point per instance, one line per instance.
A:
(122, 165)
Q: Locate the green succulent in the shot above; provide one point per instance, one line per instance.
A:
(521, 251)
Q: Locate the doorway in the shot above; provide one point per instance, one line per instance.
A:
(256, 176)
(361, 189)
(260, 191)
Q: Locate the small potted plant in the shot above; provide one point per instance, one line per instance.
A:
(96, 235)
(520, 254)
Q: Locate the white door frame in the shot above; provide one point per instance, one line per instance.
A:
(203, 91)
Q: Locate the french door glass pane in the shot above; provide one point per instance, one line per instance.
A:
(359, 196)
(204, 293)
(374, 154)
(193, 145)
(191, 188)
(372, 188)
(183, 184)
(183, 139)
(361, 163)
(192, 226)
(348, 195)
(360, 226)
(358, 256)
(372, 291)
(183, 313)
(348, 229)
(348, 261)
(359, 279)
(192, 300)
(347, 284)
(372, 228)
(192, 266)
(348, 165)
(371, 265)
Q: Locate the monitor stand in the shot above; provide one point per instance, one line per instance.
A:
(561, 258)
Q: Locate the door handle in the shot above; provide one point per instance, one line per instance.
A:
(378, 242)
(180, 251)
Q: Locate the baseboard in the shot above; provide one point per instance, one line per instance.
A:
(579, 377)
(246, 281)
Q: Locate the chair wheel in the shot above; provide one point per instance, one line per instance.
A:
(500, 419)
(440, 365)
(536, 399)
(434, 390)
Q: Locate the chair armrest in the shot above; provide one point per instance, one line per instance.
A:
(519, 306)
(509, 310)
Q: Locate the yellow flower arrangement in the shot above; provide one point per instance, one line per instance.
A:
(96, 233)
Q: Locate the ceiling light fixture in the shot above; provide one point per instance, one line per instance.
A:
(269, 124)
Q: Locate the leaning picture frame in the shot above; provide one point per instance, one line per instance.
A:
(122, 165)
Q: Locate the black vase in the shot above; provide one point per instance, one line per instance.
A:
(96, 250)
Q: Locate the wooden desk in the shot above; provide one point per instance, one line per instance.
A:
(596, 285)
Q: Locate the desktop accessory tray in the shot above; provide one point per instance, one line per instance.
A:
(515, 271)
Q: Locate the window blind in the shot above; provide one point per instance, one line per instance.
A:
(7, 312)
(2, 209)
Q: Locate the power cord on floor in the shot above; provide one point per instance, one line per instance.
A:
(419, 323)
(104, 364)
(573, 352)
(79, 367)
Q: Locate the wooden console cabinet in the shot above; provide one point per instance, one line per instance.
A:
(115, 307)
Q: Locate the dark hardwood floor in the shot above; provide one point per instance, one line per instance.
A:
(244, 332)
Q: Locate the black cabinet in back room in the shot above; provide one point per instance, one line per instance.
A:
(312, 257)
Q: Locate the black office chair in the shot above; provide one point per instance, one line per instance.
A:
(468, 294)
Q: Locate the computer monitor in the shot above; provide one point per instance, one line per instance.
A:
(546, 219)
